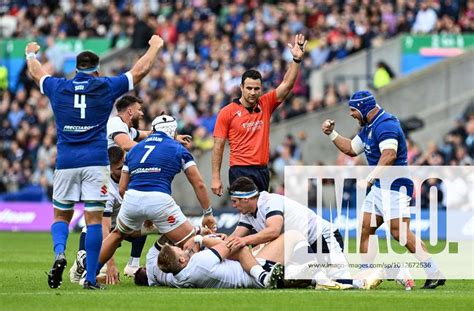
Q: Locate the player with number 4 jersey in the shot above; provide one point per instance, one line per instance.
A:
(81, 107)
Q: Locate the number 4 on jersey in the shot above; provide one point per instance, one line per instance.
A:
(80, 102)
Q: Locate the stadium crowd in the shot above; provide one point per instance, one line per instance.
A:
(208, 44)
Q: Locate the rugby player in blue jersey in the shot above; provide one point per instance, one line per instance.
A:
(383, 142)
(148, 172)
(81, 107)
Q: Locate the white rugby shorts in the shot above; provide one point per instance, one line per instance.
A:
(88, 183)
(387, 203)
(158, 207)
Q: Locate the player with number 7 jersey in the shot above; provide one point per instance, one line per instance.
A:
(81, 107)
(145, 184)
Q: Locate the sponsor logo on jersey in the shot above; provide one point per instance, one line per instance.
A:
(145, 170)
(239, 113)
(103, 190)
(78, 128)
(253, 125)
(171, 219)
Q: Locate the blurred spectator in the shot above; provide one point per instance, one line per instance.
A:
(383, 75)
(426, 18)
(3, 78)
(208, 45)
(469, 142)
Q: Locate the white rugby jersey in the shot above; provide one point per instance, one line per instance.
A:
(270, 204)
(206, 270)
(115, 126)
(114, 201)
(155, 276)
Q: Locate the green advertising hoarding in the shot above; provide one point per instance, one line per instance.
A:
(15, 48)
(414, 43)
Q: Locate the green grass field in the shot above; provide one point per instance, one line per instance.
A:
(26, 257)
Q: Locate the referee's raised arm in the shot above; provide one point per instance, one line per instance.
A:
(297, 50)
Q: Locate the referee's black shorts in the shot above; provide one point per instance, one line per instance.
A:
(259, 174)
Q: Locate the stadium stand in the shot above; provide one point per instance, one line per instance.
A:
(207, 48)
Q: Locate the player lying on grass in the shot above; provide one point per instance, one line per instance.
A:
(266, 212)
(205, 269)
(147, 174)
(215, 266)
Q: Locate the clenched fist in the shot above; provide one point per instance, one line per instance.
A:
(156, 41)
(328, 126)
(32, 47)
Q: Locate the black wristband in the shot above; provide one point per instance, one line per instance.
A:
(296, 60)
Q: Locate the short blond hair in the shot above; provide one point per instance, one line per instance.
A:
(168, 260)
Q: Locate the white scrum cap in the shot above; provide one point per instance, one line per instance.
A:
(166, 124)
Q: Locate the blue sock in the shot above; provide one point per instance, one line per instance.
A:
(82, 241)
(99, 266)
(93, 244)
(60, 232)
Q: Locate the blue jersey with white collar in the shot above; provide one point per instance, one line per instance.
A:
(153, 163)
(385, 127)
(81, 108)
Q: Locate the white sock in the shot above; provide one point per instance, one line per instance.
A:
(256, 271)
(320, 277)
(358, 283)
(430, 268)
(134, 261)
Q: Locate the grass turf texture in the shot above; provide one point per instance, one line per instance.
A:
(26, 257)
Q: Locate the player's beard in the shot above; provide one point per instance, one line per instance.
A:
(135, 122)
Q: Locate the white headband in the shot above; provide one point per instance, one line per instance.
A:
(243, 194)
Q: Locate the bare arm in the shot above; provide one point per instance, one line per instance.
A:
(342, 143)
(143, 134)
(240, 231)
(289, 79)
(123, 183)
(217, 154)
(34, 66)
(124, 141)
(272, 231)
(146, 62)
(112, 276)
(387, 158)
(195, 179)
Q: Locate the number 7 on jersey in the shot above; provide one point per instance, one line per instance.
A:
(150, 149)
(80, 102)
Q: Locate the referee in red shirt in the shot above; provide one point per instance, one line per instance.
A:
(245, 122)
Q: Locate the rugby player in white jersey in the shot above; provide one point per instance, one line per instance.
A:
(264, 212)
(216, 266)
(122, 129)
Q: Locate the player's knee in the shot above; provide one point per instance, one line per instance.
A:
(122, 229)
